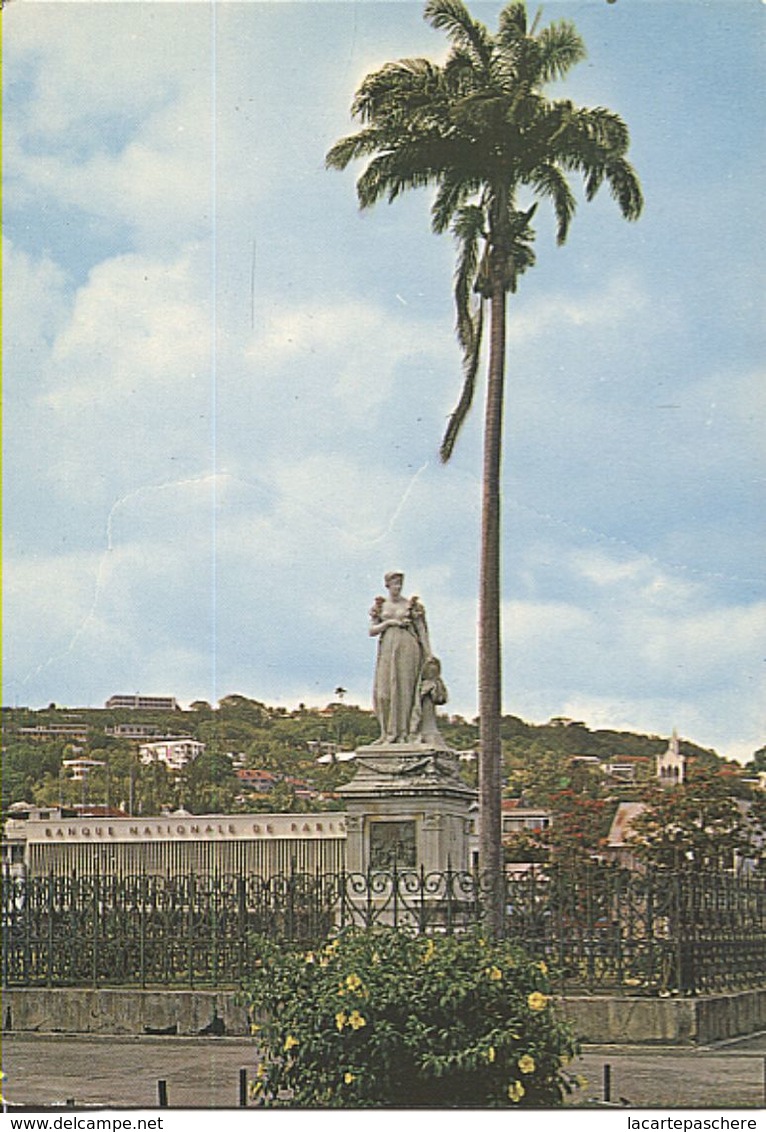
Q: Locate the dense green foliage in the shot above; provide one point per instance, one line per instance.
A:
(697, 825)
(540, 761)
(386, 1019)
(239, 733)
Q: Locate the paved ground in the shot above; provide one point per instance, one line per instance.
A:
(117, 1073)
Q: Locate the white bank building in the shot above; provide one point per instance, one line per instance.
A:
(172, 844)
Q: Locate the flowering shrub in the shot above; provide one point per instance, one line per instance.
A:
(389, 1019)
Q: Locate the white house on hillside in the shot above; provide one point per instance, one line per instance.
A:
(175, 752)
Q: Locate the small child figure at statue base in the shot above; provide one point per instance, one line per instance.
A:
(433, 693)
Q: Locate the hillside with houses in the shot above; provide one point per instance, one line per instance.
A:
(567, 788)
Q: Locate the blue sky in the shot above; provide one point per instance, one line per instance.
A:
(224, 387)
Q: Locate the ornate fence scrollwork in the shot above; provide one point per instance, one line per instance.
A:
(599, 928)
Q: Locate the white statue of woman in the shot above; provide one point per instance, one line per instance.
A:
(399, 623)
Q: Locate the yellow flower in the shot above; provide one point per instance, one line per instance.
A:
(526, 1064)
(516, 1091)
(340, 1019)
(542, 967)
(353, 982)
(310, 957)
(348, 1078)
(356, 1021)
(255, 1088)
(491, 1053)
(255, 1028)
(495, 974)
(290, 1042)
(537, 1001)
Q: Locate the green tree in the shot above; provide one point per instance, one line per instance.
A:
(696, 825)
(480, 129)
(578, 828)
(207, 784)
(577, 831)
(535, 773)
(24, 764)
(757, 764)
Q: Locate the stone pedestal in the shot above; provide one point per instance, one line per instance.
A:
(407, 807)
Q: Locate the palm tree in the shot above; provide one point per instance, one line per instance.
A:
(480, 129)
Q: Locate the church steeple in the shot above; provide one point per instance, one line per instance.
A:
(671, 764)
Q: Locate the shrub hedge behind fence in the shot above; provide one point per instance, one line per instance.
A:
(599, 928)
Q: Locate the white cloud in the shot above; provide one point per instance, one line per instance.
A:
(660, 715)
(88, 66)
(125, 394)
(138, 326)
(35, 307)
(692, 649)
(641, 579)
(342, 361)
(113, 612)
(528, 623)
(607, 310)
(605, 571)
(49, 602)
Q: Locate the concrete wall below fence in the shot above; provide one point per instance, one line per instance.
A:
(84, 1011)
(665, 1021)
(596, 1020)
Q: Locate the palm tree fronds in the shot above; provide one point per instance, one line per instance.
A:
(560, 48)
(349, 148)
(471, 356)
(452, 17)
(468, 227)
(463, 407)
(459, 71)
(594, 180)
(512, 23)
(625, 188)
(522, 236)
(388, 176)
(550, 181)
(606, 128)
(395, 87)
(451, 194)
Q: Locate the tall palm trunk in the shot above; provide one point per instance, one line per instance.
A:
(490, 671)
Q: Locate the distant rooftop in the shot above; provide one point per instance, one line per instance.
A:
(148, 703)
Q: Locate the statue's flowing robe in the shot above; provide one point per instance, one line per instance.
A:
(396, 697)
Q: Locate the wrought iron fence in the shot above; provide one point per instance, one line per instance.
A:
(597, 929)
(644, 933)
